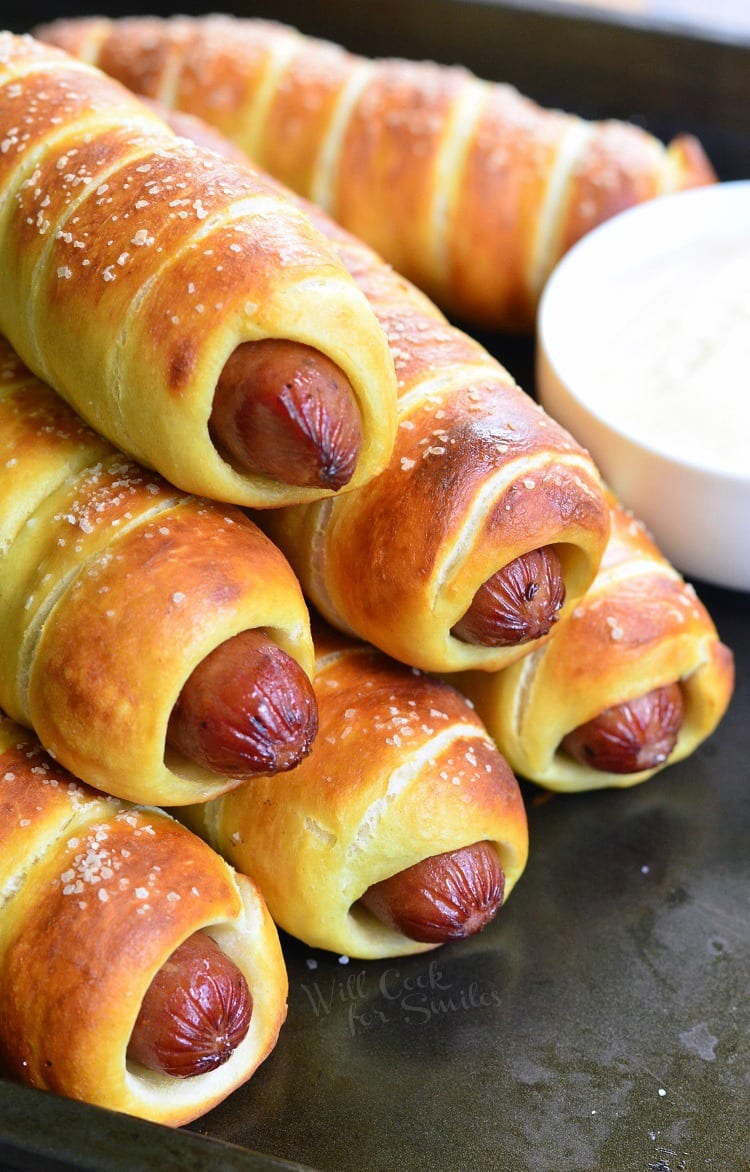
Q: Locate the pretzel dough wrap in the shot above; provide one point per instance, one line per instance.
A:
(95, 895)
(402, 770)
(480, 476)
(134, 264)
(114, 586)
(468, 188)
(639, 627)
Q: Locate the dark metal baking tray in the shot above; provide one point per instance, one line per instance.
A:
(602, 1023)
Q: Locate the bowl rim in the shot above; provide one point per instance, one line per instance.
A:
(552, 314)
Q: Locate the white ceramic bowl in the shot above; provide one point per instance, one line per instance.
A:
(643, 353)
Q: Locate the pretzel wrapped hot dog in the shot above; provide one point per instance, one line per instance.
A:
(158, 644)
(109, 908)
(467, 187)
(404, 828)
(183, 306)
(487, 524)
(634, 679)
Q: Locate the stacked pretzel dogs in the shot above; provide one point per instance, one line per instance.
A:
(294, 574)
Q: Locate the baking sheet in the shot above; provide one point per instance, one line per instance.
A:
(602, 1022)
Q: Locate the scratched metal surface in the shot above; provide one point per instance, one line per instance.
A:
(602, 1023)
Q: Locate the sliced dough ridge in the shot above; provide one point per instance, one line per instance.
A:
(448, 171)
(552, 215)
(325, 181)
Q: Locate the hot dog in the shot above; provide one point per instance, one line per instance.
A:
(283, 410)
(247, 708)
(518, 604)
(195, 1013)
(403, 829)
(138, 971)
(444, 897)
(629, 737)
(213, 319)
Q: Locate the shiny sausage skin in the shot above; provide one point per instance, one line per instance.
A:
(247, 709)
(284, 410)
(195, 1013)
(519, 603)
(627, 738)
(444, 897)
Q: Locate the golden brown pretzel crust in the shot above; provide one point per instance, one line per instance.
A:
(639, 627)
(467, 187)
(113, 587)
(133, 263)
(96, 895)
(402, 769)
